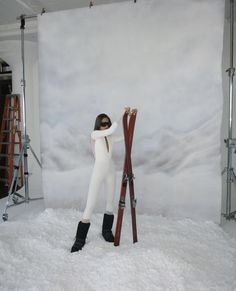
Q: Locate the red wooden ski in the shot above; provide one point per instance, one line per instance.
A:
(129, 119)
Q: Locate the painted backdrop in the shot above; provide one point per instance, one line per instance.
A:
(161, 57)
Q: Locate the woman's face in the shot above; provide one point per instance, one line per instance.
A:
(104, 123)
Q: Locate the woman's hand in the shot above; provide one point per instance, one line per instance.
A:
(127, 110)
(130, 111)
(133, 111)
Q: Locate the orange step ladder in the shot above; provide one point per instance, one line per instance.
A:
(11, 142)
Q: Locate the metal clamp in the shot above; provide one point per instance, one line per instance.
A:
(230, 71)
(122, 204)
(230, 143)
(131, 177)
(134, 203)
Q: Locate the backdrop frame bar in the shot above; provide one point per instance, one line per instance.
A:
(230, 143)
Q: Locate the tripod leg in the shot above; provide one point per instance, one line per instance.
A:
(35, 156)
(26, 173)
(13, 185)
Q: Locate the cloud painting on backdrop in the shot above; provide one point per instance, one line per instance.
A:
(161, 57)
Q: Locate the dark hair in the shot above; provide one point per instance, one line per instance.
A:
(99, 120)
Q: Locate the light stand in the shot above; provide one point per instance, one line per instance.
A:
(23, 156)
(230, 142)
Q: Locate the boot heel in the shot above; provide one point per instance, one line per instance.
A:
(107, 227)
(81, 234)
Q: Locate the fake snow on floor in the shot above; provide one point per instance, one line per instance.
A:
(170, 255)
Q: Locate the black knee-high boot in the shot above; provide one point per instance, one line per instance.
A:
(107, 226)
(81, 235)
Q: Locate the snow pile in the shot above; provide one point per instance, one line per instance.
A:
(170, 255)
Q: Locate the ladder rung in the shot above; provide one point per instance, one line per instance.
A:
(4, 167)
(11, 131)
(11, 119)
(12, 107)
(11, 95)
(8, 155)
(17, 142)
(6, 179)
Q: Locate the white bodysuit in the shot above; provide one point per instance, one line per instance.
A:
(104, 169)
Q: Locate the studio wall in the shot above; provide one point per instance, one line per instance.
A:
(163, 58)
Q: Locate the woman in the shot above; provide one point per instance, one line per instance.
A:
(104, 170)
